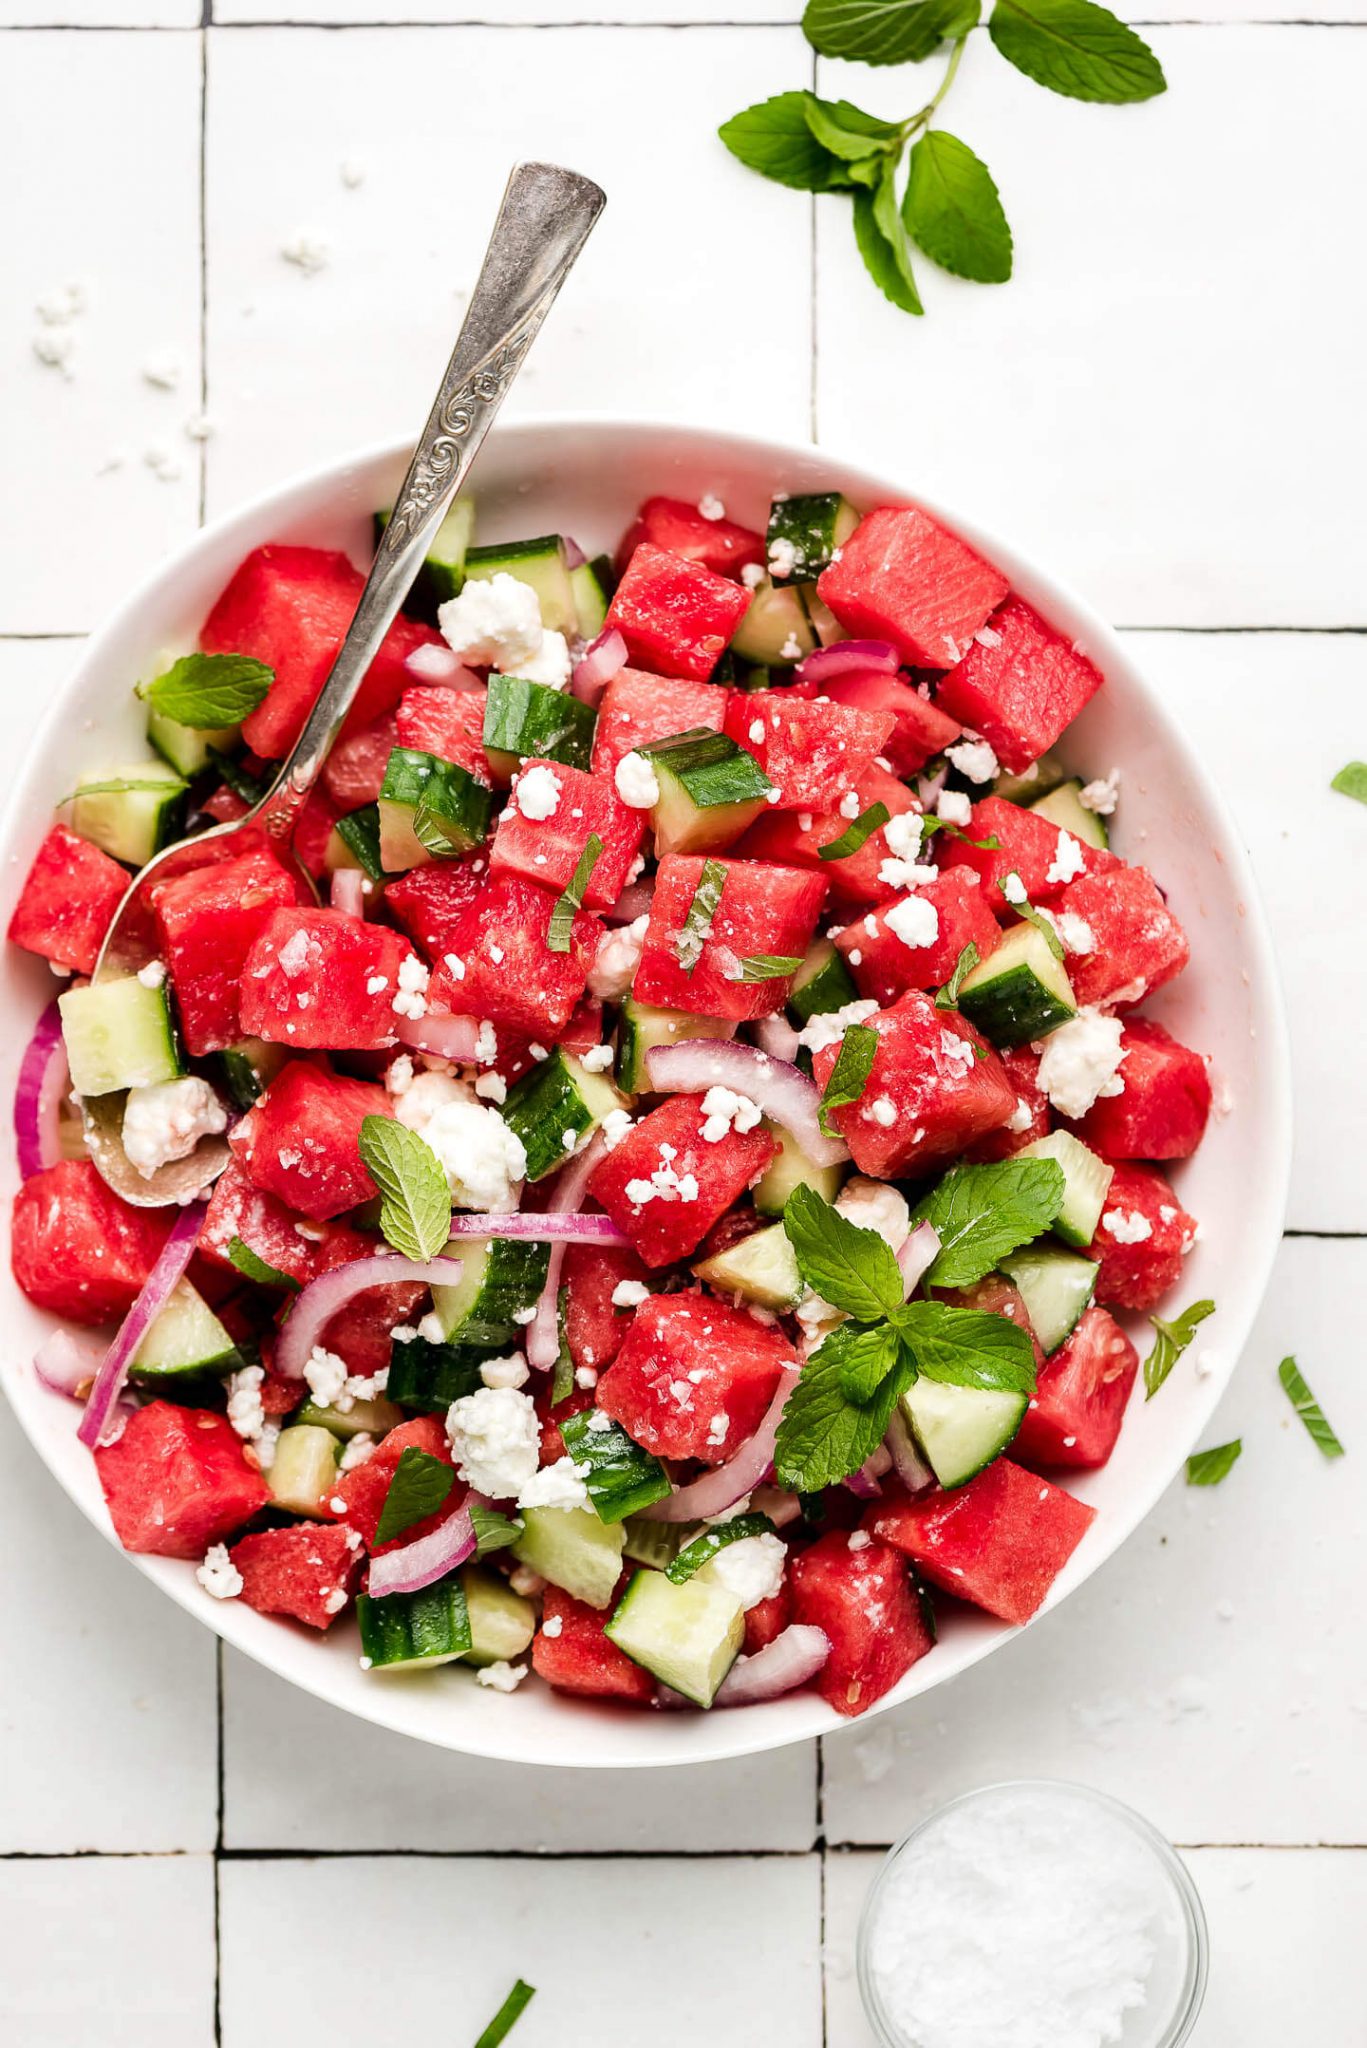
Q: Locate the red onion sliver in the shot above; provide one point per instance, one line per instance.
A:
(43, 1078)
(575, 557)
(446, 1037)
(634, 901)
(601, 660)
(790, 1660)
(782, 1508)
(428, 1558)
(776, 1037)
(917, 1256)
(826, 663)
(864, 1483)
(543, 1332)
(348, 891)
(719, 1490)
(783, 1092)
(62, 1364)
(323, 1298)
(907, 1462)
(172, 1260)
(432, 663)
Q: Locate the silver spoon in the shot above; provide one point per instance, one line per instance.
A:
(543, 223)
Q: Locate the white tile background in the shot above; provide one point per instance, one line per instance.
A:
(190, 1852)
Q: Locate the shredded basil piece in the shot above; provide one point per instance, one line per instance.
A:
(697, 925)
(849, 1076)
(1308, 1408)
(508, 2015)
(571, 897)
(948, 996)
(854, 836)
(1208, 1468)
(1023, 907)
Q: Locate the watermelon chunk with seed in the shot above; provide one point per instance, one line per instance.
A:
(362, 1490)
(675, 616)
(69, 896)
(1019, 684)
(1142, 1238)
(1080, 1398)
(77, 1248)
(1027, 845)
(636, 708)
(764, 909)
(308, 1572)
(861, 1594)
(300, 1142)
(1137, 943)
(178, 1480)
(321, 979)
(811, 751)
(594, 1328)
(1033, 1117)
(694, 1377)
(447, 723)
(1000, 1541)
(546, 850)
(903, 577)
(500, 966)
(664, 1185)
(681, 529)
(208, 922)
(1161, 1113)
(428, 901)
(795, 838)
(885, 967)
(576, 1656)
(921, 728)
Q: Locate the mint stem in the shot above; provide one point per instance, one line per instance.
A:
(918, 121)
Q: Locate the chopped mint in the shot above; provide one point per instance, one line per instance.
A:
(854, 836)
(1308, 1408)
(849, 1077)
(1208, 1468)
(209, 691)
(571, 897)
(415, 1204)
(1173, 1339)
(418, 1488)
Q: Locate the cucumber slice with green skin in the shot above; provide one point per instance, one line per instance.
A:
(443, 572)
(813, 524)
(249, 1067)
(590, 599)
(186, 748)
(354, 842)
(118, 1035)
(558, 1099)
(1032, 782)
(1086, 1183)
(574, 1550)
(362, 1418)
(688, 1636)
(502, 1623)
(413, 1631)
(1020, 992)
(524, 721)
(762, 1268)
(499, 1278)
(959, 1430)
(429, 809)
(1062, 808)
(184, 1339)
(822, 983)
(788, 1169)
(304, 1470)
(1055, 1285)
(710, 790)
(621, 1477)
(642, 1027)
(777, 630)
(656, 1543)
(541, 565)
(130, 812)
(426, 1378)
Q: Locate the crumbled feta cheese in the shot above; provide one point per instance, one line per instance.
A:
(536, 793)
(718, 1426)
(756, 732)
(502, 1676)
(752, 575)
(954, 806)
(974, 759)
(218, 1574)
(326, 1374)
(1069, 860)
(410, 998)
(432, 664)
(1133, 1228)
(494, 622)
(555, 1486)
(782, 558)
(751, 1569)
(883, 1110)
(361, 1447)
(903, 834)
(495, 1438)
(630, 1294)
(915, 921)
(153, 974)
(245, 1411)
(1021, 1117)
(1081, 1061)
(550, 665)
(791, 650)
(636, 782)
(585, 1376)
(615, 962)
(1102, 795)
(483, 1156)
(859, 1539)
(828, 1027)
(876, 1205)
(711, 506)
(166, 1120)
(491, 1088)
(307, 252)
(399, 1074)
(596, 1060)
(505, 1372)
(552, 1625)
(723, 1110)
(1075, 935)
(615, 1126)
(1014, 889)
(849, 804)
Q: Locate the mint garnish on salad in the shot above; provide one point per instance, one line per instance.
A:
(415, 1195)
(209, 691)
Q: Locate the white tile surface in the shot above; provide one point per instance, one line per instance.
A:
(121, 223)
(510, 13)
(1159, 404)
(84, 14)
(99, 1950)
(613, 1948)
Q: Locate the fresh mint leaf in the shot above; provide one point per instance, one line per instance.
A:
(508, 2015)
(934, 823)
(247, 1262)
(848, 132)
(571, 898)
(1024, 908)
(1208, 1468)
(415, 1196)
(562, 1377)
(768, 966)
(1308, 1408)
(885, 31)
(984, 1212)
(418, 1488)
(947, 997)
(250, 788)
(493, 1531)
(823, 1436)
(1076, 48)
(209, 691)
(882, 242)
(704, 1548)
(431, 833)
(1352, 781)
(849, 1077)
(774, 138)
(952, 211)
(854, 836)
(1173, 1339)
(962, 1347)
(850, 1268)
(697, 925)
(870, 1357)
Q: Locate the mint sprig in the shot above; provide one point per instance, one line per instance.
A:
(1351, 780)
(823, 1435)
(209, 691)
(415, 1195)
(983, 1212)
(952, 210)
(418, 1488)
(847, 1266)
(493, 1531)
(1173, 1339)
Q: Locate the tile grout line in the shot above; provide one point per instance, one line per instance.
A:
(586, 22)
(819, 1851)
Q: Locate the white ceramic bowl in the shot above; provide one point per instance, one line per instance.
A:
(586, 478)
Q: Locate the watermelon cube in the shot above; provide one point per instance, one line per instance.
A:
(768, 1619)
(935, 1086)
(694, 1377)
(574, 1655)
(1019, 684)
(681, 529)
(69, 896)
(1000, 1541)
(208, 922)
(290, 607)
(921, 727)
(636, 708)
(812, 751)
(362, 1490)
(885, 967)
(313, 830)
(594, 1327)
(1079, 1401)
(308, 1571)
(354, 771)
(903, 577)
(177, 1480)
(553, 1413)
(1033, 1117)
(500, 967)
(1028, 846)
(861, 1594)
(239, 1208)
(1162, 1111)
(300, 1141)
(675, 616)
(428, 901)
(77, 1248)
(318, 978)
(1142, 1238)
(546, 848)
(1137, 943)
(447, 723)
(764, 909)
(665, 1185)
(795, 838)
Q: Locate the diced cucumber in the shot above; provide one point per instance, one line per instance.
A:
(620, 1476)
(186, 748)
(303, 1472)
(813, 524)
(502, 1623)
(762, 1268)
(500, 1277)
(1062, 808)
(710, 790)
(556, 1100)
(688, 1636)
(429, 809)
(185, 1338)
(412, 1631)
(1020, 992)
(1086, 1182)
(590, 599)
(427, 1378)
(788, 1169)
(541, 565)
(574, 1550)
(443, 571)
(961, 1429)
(643, 1027)
(130, 812)
(822, 983)
(1055, 1285)
(249, 1067)
(354, 842)
(523, 720)
(776, 631)
(362, 1418)
(1032, 782)
(118, 1035)
(656, 1543)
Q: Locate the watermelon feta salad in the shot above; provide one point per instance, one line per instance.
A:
(684, 1175)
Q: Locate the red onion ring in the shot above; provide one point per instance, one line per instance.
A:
(790, 1660)
(601, 660)
(315, 1306)
(917, 1256)
(782, 1508)
(826, 663)
(433, 664)
(348, 891)
(543, 1332)
(776, 1037)
(748, 1468)
(43, 1080)
(172, 1260)
(783, 1092)
(62, 1364)
(444, 1036)
(907, 1462)
(428, 1558)
(864, 1483)
(634, 901)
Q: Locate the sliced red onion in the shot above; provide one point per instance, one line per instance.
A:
(929, 787)
(43, 1079)
(907, 1462)
(428, 1558)
(348, 891)
(446, 1037)
(432, 663)
(864, 1483)
(917, 1256)
(776, 1037)
(601, 660)
(783, 1092)
(719, 1490)
(543, 1332)
(781, 1666)
(782, 1507)
(634, 901)
(826, 663)
(323, 1298)
(575, 557)
(63, 1364)
(172, 1260)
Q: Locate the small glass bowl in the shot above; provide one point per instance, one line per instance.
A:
(1179, 1973)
